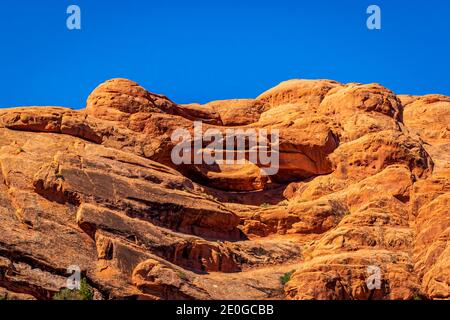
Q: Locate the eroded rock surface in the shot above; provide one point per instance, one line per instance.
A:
(363, 189)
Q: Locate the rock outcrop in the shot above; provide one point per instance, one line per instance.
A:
(358, 207)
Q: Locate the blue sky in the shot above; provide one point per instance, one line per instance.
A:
(202, 50)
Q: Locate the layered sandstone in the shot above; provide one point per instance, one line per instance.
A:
(363, 183)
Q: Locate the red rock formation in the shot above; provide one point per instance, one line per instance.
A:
(363, 183)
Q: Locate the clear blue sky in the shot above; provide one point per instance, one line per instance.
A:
(216, 49)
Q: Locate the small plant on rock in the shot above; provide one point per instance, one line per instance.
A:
(84, 293)
(417, 297)
(284, 279)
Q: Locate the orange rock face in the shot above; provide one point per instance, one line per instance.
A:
(358, 208)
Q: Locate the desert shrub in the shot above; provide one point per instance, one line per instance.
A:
(418, 297)
(84, 293)
(284, 279)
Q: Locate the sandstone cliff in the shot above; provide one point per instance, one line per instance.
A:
(364, 180)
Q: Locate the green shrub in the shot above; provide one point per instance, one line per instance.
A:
(417, 297)
(67, 294)
(265, 205)
(284, 279)
(84, 293)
